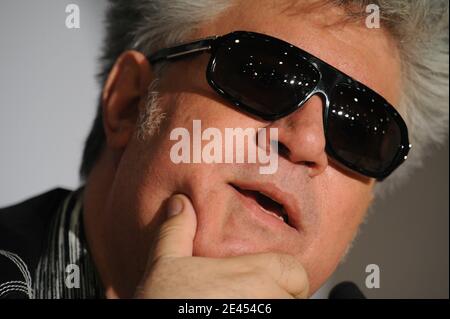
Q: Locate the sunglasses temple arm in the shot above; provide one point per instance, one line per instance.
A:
(182, 50)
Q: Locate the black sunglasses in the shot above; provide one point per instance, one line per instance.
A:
(270, 78)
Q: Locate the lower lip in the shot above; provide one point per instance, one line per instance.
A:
(260, 215)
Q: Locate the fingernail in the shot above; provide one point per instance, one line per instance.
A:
(175, 206)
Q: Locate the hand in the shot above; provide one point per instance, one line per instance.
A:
(172, 271)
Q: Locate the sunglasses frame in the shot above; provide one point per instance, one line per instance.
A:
(329, 78)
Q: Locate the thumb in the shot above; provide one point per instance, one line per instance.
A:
(176, 234)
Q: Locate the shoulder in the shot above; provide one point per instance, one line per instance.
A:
(23, 229)
(31, 207)
(24, 223)
(15, 278)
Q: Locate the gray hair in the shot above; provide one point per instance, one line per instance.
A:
(420, 28)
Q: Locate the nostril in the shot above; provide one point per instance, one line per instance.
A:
(283, 150)
(309, 164)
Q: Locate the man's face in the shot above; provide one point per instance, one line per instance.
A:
(327, 203)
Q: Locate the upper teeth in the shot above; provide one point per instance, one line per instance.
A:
(280, 217)
(283, 215)
(273, 214)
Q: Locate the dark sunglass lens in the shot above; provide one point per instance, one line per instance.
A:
(265, 74)
(361, 130)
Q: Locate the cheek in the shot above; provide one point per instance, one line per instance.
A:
(343, 208)
(347, 203)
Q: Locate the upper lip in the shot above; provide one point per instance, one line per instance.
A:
(270, 190)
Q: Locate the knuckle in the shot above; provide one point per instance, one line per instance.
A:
(159, 264)
(290, 263)
(272, 258)
(166, 230)
(281, 261)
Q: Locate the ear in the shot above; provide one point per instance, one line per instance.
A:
(124, 94)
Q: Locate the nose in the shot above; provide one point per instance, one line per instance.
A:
(301, 137)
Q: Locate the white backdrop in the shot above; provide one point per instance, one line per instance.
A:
(47, 104)
(48, 93)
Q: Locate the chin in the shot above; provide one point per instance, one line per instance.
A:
(235, 241)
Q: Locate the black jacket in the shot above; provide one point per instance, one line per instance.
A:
(23, 231)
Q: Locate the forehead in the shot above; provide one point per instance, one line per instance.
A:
(368, 55)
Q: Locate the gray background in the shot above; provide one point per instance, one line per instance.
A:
(47, 103)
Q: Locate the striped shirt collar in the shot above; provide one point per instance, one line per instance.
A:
(65, 269)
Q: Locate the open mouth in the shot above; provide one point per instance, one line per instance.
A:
(267, 204)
